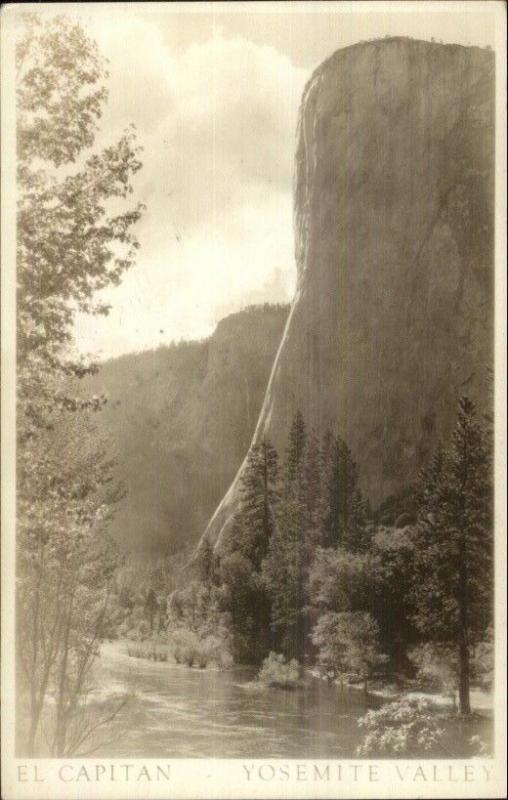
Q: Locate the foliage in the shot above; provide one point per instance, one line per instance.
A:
(65, 562)
(189, 648)
(198, 631)
(184, 644)
(437, 665)
(258, 500)
(243, 599)
(151, 651)
(344, 509)
(276, 589)
(295, 457)
(284, 572)
(243, 593)
(482, 661)
(278, 673)
(348, 643)
(73, 239)
(398, 510)
(453, 587)
(340, 580)
(217, 649)
(479, 747)
(405, 728)
(392, 559)
(311, 494)
(69, 245)
(136, 627)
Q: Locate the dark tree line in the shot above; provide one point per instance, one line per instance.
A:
(307, 570)
(289, 508)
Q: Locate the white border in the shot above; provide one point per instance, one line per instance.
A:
(193, 778)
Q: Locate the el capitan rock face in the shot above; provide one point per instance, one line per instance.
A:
(393, 200)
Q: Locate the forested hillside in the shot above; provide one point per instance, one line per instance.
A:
(181, 419)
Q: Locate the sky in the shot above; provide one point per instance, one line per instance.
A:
(213, 91)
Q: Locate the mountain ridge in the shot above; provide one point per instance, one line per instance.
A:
(179, 418)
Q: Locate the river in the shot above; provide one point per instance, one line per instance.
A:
(178, 712)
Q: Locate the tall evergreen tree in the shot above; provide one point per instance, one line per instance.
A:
(285, 567)
(248, 542)
(343, 521)
(258, 498)
(284, 573)
(454, 585)
(311, 492)
(295, 454)
(206, 561)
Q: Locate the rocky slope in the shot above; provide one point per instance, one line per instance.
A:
(180, 419)
(393, 200)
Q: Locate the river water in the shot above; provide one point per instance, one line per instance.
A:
(177, 712)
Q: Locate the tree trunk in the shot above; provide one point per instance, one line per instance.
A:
(35, 708)
(61, 715)
(464, 699)
(34, 723)
(463, 598)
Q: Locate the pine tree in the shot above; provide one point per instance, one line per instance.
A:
(284, 573)
(295, 454)
(244, 551)
(343, 520)
(151, 606)
(258, 498)
(294, 540)
(311, 492)
(206, 561)
(427, 489)
(454, 584)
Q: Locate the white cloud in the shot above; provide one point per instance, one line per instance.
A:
(214, 95)
(217, 121)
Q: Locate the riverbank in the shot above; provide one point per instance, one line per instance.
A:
(481, 701)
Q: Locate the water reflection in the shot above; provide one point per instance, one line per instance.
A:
(179, 712)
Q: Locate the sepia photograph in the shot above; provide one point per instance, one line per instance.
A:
(253, 370)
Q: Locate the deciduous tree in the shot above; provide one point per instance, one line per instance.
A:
(74, 238)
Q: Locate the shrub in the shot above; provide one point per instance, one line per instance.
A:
(135, 651)
(437, 665)
(277, 673)
(348, 644)
(482, 662)
(216, 648)
(188, 647)
(406, 727)
(480, 748)
(139, 631)
(184, 645)
(149, 650)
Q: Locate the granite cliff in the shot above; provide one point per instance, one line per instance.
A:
(393, 209)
